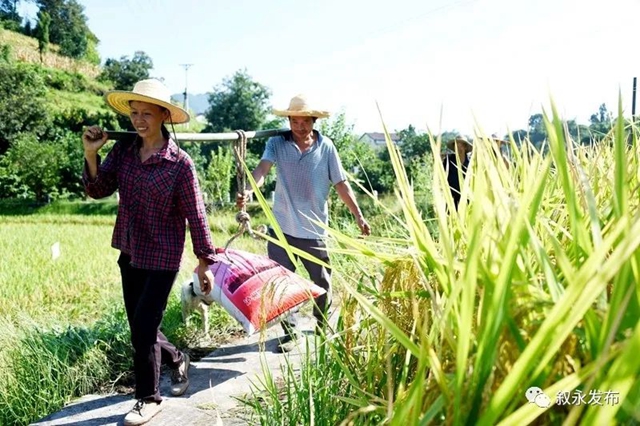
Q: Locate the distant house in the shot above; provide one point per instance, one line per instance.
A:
(377, 139)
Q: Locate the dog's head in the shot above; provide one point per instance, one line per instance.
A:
(188, 298)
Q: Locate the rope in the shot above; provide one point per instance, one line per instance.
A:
(242, 217)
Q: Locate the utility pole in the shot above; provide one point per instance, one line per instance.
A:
(633, 101)
(186, 94)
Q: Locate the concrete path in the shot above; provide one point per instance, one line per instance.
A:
(215, 381)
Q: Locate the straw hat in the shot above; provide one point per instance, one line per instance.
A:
(451, 144)
(499, 140)
(299, 107)
(151, 91)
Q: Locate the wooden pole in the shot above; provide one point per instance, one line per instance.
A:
(205, 137)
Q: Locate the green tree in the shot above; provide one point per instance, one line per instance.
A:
(42, 32)
(537, 129)
(601, 122)
(68, 26)
(9, 16)
(124, 73)
(21, 94)
(413, 145)
(219, 174)
(238, 103)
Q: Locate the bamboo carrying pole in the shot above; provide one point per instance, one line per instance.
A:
(206, 137)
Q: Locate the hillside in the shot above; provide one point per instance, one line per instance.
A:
(25, 49)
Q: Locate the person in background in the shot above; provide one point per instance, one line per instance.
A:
(307, 165)
(458, 155)
(159, 192)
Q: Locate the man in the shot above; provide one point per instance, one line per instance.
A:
(307, 165)
(460, 147)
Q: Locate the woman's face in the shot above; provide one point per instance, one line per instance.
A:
(147, 118)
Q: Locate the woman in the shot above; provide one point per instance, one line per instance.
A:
(158, 190)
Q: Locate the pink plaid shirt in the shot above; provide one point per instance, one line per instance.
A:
(155, 199)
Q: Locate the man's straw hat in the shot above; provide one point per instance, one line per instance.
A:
(299, 107)
(451, 144)
(151, 91)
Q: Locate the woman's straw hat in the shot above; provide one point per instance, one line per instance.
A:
(299, 107)
(151, 91)
(451, 144)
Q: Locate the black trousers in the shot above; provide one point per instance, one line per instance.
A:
(146, 293)
(320, 275)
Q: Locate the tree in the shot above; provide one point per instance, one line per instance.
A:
(42, 32)
(9, 16)
(218, 175)
(21, 94)
(68, 27)
(537, 129)
(601, 122)
(413, 145)
(238, 103)
(124, 73)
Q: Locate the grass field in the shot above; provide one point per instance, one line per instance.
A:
(62, 328)
(446, 317)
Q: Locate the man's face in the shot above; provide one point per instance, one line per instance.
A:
(301, 126)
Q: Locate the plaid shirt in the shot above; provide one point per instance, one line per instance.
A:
(155, 199)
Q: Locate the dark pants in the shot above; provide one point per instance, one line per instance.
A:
(146, 293)
(320, 275)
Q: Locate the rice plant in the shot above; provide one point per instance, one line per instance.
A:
(533, 282)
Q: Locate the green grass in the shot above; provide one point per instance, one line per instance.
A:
(534, 281)
(63, 332)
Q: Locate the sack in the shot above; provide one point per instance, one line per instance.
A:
(254, 289)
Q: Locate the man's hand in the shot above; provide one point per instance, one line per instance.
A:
(242, 199)
(205, 276)
(363, 225)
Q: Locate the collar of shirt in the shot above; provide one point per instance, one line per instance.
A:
(169, 151)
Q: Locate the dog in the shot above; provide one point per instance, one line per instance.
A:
(192, 301)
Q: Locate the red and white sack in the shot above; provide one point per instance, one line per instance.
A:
(254, 289)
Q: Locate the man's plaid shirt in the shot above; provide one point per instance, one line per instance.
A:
(155, 199)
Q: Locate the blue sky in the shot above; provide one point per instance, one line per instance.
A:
(435, 64)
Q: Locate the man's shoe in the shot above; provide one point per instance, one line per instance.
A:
(287, 343)
(142, 412)
(180, 377)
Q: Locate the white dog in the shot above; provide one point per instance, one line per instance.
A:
(193, 300)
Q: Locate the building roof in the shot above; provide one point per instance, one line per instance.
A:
(379, 136)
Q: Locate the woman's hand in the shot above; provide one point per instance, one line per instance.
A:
(93, 139)
(205, 276)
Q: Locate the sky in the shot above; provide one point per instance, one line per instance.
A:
(434, 64)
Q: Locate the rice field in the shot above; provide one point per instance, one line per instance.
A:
(521, 307)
